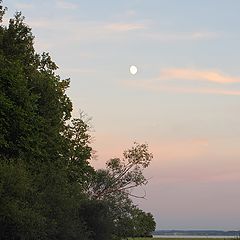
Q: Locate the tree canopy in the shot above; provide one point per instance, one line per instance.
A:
(48, 189)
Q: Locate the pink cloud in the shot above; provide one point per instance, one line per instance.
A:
(159, 86)
(177, 151)
(201, 75)
(203, 160)
(162, 83)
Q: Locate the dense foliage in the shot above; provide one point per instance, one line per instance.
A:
(48, 190)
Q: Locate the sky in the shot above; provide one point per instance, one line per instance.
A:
(184, 100)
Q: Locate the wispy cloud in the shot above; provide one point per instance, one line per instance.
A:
(156, 86)
(79, 71)
(97, 30)
(200, 75)
(89, 26)
(222, 82)
(87, 31)
(123, 27)
(66, 5)
(24, 5)
(130, 13)
(178, 151)
(181, 36)
(217, 91)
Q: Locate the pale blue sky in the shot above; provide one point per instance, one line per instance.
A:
(184, 101)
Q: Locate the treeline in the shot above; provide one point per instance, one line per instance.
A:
(48, 190)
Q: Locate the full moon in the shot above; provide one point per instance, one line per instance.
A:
(133, 70)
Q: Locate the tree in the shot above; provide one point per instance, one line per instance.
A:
(48, 190)
(143, 223)
(77, 150)
(97, 217)
(34, 104)
(122, 175)
(38, 146)
(114, 185)
(20, 215)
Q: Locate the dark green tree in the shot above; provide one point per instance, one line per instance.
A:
(98, 219)
(143, 223)
(20, 215)
(35, 134)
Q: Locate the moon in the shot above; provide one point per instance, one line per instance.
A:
(133, 70)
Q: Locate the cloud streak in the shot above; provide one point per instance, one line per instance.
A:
(123, 27)
(66, 5)
(191, 74)
(92, 27)
(158, 87)
(24, 6)
(182, 36)
(222, 82)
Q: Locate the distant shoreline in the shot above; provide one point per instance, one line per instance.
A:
(166, 237)
(196, 233)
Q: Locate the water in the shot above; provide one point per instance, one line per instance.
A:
(189, 236)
